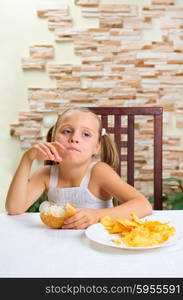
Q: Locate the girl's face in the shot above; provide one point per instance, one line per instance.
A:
(79, 133)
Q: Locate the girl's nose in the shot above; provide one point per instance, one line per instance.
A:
(73, 140)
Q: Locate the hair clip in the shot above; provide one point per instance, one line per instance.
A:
(103, 132)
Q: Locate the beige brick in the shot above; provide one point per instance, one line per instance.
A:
(69, 34)
(170, 23)
(68, 82)
(179, 121)
(53, 12)
(95, 57)
(177, 173)
(171, 140)
(151, 12)
(112, 22)
(87, 2)
(59, 69)
(42, 51)
(26, 132)
(90, 11)
(60, 22)
(163, 2)
(118, 9)
(30, 116)
(29, 63)
(137, 23)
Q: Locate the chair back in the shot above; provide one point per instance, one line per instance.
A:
(118, 130)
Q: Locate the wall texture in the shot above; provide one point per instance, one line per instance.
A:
(93, 53)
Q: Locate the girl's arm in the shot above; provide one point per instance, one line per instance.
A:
(131, 199)
(23, 192)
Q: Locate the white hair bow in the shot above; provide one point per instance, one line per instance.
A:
(103, 132)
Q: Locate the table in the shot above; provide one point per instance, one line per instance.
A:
(30, 249)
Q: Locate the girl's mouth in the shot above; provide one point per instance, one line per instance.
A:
(73, 148)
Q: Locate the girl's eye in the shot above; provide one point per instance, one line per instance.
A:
(66, 131)
(86, 134)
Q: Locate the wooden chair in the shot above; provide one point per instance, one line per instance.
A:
(117, 130)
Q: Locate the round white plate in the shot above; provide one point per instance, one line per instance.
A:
(99, 234)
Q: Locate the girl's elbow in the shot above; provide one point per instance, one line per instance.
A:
(14, 211)
(148, 207)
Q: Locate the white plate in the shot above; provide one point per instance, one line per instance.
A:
(99, 234)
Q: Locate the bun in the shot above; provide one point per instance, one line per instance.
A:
(53, 215)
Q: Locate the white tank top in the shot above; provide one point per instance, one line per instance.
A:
(80, 196)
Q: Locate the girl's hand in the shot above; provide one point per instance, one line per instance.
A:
(83, 218)
(45, 151)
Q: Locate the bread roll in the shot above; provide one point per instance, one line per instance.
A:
(53, 215)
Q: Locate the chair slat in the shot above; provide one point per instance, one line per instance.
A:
(158, 162)
(130, 155)
(117, 136)
(105, 121)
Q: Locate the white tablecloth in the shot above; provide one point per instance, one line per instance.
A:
(29, 249)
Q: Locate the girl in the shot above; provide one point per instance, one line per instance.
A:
(76, 176)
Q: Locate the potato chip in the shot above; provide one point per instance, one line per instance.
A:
(117, 241)
(136, 233)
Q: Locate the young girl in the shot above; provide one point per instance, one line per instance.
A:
(75, 175)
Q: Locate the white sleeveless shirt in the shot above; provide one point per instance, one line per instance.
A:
(80, 196)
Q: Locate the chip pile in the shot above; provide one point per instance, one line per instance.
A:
(136, 233)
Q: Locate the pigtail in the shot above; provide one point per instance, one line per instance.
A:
(108, 151)
(49, 135)
(49, 139)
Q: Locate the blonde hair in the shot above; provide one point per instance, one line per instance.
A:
(108, 151)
